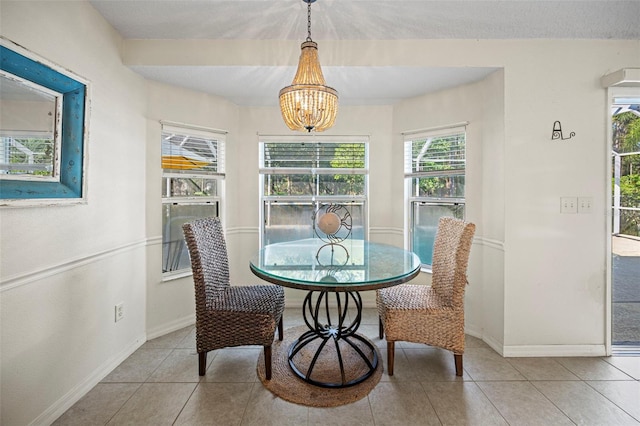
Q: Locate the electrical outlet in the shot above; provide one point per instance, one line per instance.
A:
(119, 311)
(568, 204)
(585, 205)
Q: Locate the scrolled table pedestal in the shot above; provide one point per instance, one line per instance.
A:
(330, 341)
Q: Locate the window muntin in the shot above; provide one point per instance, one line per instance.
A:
(192, 187)
(300, 174)
(435, 165)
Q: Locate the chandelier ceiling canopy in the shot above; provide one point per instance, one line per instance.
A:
(308, 103)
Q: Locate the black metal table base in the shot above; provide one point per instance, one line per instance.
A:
(325, 332)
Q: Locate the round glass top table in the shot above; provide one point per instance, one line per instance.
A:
(333, 275)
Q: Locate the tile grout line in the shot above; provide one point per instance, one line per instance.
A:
(491, 402)
(609, 399)
(185, 403)
(123, 404)
(540, 392)
(550, 401)
(430, 402)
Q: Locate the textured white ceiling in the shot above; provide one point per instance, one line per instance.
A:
(356, 20)
(373, 19)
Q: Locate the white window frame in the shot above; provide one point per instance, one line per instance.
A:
(314, 198)
(413, 200)
(217, 173)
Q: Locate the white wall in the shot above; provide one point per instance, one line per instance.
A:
(555, 264)
(542, 273)
(490, 301)
(170, 303)
(537, 277)
(480, 105)
(532, 259)
(63, 268)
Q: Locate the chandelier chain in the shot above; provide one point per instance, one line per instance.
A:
(309, 21)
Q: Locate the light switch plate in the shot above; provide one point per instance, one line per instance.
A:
(568, 205)
(585, 205)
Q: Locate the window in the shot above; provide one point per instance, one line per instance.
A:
(434, 181)
(299, 174)
(192, 187)
(42, 129)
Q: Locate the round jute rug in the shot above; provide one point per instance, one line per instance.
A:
(285, 384)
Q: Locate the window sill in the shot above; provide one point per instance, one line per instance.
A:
(426, 270)
(172, 276)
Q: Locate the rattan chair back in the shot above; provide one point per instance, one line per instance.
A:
(450, 260)
(209, 260)
(228, 315)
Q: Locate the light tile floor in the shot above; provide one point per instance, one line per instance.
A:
(159, 384)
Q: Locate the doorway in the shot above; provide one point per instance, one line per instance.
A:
(625, 222)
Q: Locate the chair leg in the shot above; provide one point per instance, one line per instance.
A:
(458, 358)
(380, 328)
(267, 362)
(202, 363)
(390, 355)
(280, 330)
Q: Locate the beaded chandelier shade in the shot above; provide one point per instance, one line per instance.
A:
(309, 104)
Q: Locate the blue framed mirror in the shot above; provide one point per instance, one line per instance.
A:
(42, 128)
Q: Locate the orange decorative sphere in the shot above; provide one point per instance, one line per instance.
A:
(329, 223)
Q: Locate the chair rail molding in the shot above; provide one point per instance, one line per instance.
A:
(488, 242)
(68, 265)
(377, 230)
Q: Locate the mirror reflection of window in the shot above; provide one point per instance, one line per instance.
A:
(29, 135)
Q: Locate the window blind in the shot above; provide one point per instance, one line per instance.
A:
(313, 158)
(192, 151)
(435, 154)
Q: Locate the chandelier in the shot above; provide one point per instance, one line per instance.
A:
(309, 104)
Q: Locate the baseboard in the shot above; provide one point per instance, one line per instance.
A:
(172, 326)
(58, 408)
(493, 344)
(471, 330)
(554, 350)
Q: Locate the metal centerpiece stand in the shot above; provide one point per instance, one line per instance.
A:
(332, 224)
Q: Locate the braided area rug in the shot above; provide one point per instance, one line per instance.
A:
(287, 385)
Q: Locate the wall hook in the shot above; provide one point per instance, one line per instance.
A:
(557, 132)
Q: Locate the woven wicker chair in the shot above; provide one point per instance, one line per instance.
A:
(433, 315)
(228, 316)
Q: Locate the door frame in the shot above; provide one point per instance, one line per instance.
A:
(632, 90)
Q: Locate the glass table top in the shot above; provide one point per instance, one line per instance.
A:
(352, 265)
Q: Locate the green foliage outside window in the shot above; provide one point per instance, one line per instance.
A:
(445, 155)
(324, 159)
(36, 154)
(349, 157)
(626, 139)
